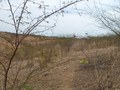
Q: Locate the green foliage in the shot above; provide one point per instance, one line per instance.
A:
(84, 61)
(27, 87)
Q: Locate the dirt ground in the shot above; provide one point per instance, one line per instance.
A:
(68, 74)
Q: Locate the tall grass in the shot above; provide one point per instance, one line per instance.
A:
(102, 64)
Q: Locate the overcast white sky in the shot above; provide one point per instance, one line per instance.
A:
(70, 24)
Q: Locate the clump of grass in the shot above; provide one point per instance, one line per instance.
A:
(27, 87)
(84, 61)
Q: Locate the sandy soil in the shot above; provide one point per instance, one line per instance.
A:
(67, 74)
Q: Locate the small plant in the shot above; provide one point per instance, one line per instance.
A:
(84, 61)
(27, 87)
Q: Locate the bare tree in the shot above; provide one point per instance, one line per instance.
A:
(107, 15)
(25, 23)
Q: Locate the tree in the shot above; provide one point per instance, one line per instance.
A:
(22, 20)
(108, 16)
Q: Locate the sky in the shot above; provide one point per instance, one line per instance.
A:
(68, 24)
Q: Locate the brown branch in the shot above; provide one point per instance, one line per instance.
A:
(18, 41)
(3, 66)
(8, 68)
(13, 17)
(39, 68)
(44, 18)
(6, 22)
(16, 76)
(20, 17)
(10, 42)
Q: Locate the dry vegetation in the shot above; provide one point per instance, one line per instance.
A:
(46, 63)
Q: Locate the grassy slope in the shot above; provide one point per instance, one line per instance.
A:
(67, 63)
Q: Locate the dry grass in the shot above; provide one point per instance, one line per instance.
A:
(63, 63)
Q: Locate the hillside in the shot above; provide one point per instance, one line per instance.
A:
(45, 63)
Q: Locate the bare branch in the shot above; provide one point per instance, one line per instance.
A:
(21, 14)
(13, 17)
(6, 22)
(31, 28)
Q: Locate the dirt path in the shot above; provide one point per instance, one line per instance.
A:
(68, 75)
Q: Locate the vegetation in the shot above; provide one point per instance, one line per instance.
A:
(20, 15)
(95, 63)
(30, 62)
(107, 16)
